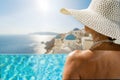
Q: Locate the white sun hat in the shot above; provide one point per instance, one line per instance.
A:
(102, 16)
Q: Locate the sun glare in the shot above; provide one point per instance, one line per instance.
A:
(43, 5)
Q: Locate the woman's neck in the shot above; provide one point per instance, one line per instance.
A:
(106, 47)
(98, 37)
(103, 43)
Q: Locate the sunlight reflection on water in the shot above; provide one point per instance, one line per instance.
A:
(20, 44)
(38, 39)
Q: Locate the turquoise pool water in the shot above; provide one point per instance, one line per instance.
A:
(32, 67)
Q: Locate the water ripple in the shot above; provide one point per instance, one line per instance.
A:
(31, 67)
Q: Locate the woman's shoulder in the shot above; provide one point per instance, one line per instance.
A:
(80, 52)
(80, 55)
(88, 54)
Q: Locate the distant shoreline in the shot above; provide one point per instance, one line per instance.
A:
(44, 33)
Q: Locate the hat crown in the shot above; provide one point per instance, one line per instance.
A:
(107, 8)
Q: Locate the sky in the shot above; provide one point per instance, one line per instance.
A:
(29, 16)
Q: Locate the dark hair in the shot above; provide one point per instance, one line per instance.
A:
(112, 39)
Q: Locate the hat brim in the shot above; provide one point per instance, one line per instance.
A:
(96, 22)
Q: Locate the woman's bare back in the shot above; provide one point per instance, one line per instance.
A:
(98, 65)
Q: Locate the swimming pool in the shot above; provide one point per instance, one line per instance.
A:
(32, 67)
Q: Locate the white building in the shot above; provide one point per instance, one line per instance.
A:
(73, 40)
(70, 40)
(58, 43)
(87, 42)
(58, 40)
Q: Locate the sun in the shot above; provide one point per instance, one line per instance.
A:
(43, 5)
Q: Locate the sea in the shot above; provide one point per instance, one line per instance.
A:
(24, 44)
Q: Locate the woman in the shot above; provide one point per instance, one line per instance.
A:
(102, 60)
